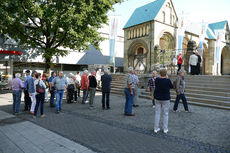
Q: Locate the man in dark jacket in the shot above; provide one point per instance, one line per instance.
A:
(106, 86)
(198, 63)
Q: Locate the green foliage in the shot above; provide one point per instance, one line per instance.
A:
(51, 24)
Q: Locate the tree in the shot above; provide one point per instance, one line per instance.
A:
(48, 25)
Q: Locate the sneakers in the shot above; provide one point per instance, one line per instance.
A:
(165, 131)
(34, 117)
(154, 106)
(43, 115)
(157, 130)
(175, 111)
(135, 105)
(57, 112)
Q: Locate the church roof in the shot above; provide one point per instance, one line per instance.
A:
(145, 13)
(217, 26)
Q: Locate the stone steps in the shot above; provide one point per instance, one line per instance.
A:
(192, 101)
(208, 91)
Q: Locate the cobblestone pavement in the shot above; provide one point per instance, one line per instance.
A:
(202, 130)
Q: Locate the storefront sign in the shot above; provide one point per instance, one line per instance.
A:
(10, 52)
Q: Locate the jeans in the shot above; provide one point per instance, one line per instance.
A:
(17, 100)
(161, 106)
(105, 95)
(128, 102)
(59, 97)
(52, 95)
(91, 95)
(85, 95)
(40, 98)
(27, 100)
(178, 97)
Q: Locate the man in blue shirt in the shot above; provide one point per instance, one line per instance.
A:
(27, 98)
(106, 86)
(60, 84)
(52, 89)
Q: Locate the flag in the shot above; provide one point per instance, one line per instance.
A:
(181, 31)
(113, 35)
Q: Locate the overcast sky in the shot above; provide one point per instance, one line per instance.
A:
(195, 10)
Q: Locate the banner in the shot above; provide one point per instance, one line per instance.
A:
(113, 35)
(219, 38)
(181, 30)
(202, 38)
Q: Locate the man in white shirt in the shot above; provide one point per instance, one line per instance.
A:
(193, 60)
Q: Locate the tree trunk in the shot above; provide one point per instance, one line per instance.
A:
(47, 65)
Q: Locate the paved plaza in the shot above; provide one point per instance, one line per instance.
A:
(109, 131)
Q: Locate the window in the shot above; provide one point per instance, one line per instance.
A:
(144, 32)
(163, 16)
(140, 51)
(129, 34)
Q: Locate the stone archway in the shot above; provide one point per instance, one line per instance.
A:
(168, 43)
(225, 61)
(137, 56)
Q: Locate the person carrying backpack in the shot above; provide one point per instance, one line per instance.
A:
(179, 86)
(40, 94)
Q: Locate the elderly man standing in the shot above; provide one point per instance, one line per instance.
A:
(106, 87)
(129, 92)
(193, 60)
(52, 89)
(85, 86)
(27, 98)
(60, 85)
(17, 86)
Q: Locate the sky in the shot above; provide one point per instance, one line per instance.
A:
(196, 11)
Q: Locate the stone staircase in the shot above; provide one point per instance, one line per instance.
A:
(208, 91)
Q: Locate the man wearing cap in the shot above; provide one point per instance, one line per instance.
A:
(129, 92)
(193, 60)
(85, 86)
(106, 87)
(60, 85)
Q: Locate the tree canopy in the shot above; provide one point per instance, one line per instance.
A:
(51, 24)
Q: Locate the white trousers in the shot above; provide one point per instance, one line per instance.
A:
(33, 99)
(46, 94)
(161, 106)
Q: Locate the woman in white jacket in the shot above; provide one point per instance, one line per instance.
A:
(39, 86)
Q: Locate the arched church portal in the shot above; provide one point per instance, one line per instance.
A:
(167, 43)
(137, 56)
(225, 61)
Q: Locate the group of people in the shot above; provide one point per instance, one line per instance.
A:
(194, 63)
(159, 88)
(37, 87)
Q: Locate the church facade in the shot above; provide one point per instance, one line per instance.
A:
(151, 39)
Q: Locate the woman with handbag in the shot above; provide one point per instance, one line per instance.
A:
(39, 86)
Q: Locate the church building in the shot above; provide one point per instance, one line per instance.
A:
(152, 39)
